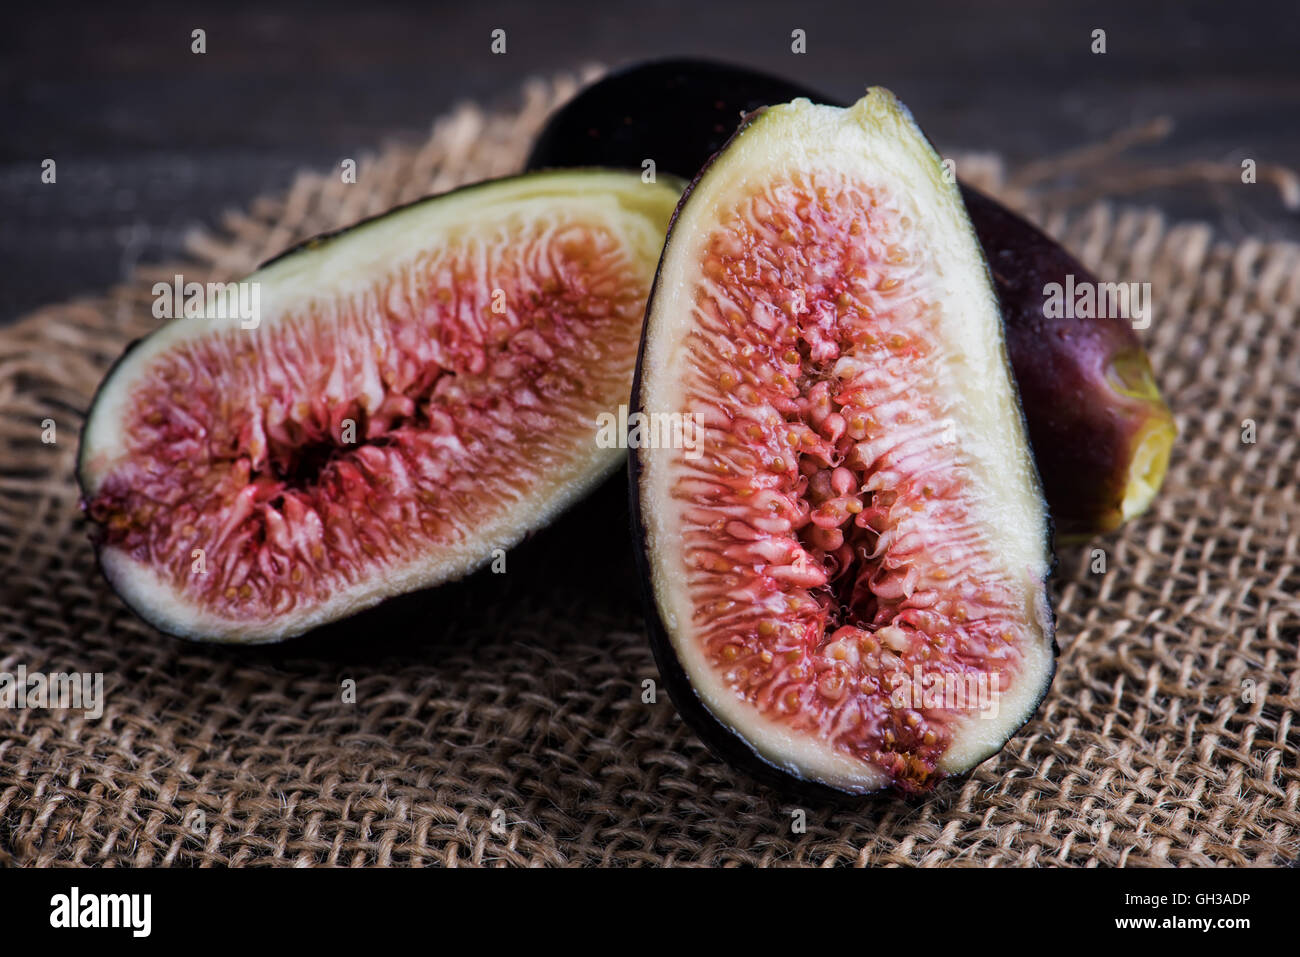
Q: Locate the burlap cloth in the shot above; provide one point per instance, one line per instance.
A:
(501, 720)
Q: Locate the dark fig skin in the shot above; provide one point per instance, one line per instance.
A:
(675, 112)
(720, 739)
(1086, 385)
(1077, 376)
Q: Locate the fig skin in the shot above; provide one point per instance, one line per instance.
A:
(1078, 377)
(1100, 430)
(721, 739)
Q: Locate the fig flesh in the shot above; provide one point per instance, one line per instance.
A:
(414, 393)
(1100, 431)
(848, 581)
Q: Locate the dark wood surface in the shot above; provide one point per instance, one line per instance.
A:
(151, 139)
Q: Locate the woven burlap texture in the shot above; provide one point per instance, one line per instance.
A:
(501, 720)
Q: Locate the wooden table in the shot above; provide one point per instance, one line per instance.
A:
(151, 139)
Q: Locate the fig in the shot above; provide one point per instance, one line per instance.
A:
(847, 568)
(1099, 428)
(1101, 432)
(410, 395)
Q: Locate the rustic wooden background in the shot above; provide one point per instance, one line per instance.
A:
(151, 139)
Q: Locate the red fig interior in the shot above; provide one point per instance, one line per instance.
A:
(851, 574)
(415, 393)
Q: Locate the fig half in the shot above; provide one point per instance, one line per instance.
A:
(406, 397)
(848, 566)
(1100, 431)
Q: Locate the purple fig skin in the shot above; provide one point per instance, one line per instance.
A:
(1100, 431)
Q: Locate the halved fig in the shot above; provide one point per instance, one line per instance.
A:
(412, 394)
(848, 567)
(1100, 431)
